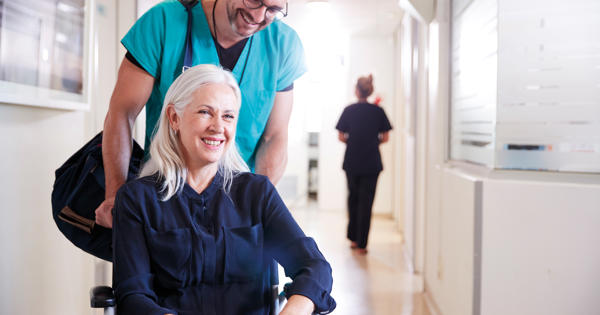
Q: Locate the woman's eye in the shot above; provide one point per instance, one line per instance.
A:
(203, 112)
(228, 116)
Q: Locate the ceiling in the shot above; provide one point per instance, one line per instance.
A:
(359, 17)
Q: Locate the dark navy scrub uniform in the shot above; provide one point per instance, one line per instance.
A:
(207, 253)
(362, 122)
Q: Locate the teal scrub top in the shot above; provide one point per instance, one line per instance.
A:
(275, 59)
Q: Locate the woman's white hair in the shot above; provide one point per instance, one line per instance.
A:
(166, 157)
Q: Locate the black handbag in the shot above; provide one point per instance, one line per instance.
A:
(79, 189)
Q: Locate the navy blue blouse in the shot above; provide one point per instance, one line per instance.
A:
(363, 122)
(207, 253)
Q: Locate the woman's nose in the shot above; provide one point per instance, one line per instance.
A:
(217, 125)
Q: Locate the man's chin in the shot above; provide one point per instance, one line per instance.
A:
(246, 32)
(245, 29)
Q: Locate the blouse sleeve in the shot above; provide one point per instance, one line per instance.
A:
(297, 253)
(132, 278)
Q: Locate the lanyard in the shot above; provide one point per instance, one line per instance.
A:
(187, 60)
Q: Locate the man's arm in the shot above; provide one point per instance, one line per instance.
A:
(131, 93)
(271, 157)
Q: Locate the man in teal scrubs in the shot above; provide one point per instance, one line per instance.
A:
(264, 54)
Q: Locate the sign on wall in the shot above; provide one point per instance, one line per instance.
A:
(44, 49)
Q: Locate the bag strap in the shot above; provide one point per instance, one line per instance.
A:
(189, 49)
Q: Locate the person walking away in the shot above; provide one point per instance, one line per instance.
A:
(363, 127)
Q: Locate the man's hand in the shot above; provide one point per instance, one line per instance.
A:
(104, 213)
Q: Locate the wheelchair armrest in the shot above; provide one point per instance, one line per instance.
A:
(281, 298)
(102, 297)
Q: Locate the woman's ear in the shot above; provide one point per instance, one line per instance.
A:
(174, 119)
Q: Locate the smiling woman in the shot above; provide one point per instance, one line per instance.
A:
(200, 109)
(196, 233)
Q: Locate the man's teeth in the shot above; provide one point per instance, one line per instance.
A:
(246, 19)
(211, 142)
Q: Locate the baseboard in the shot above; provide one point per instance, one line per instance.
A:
(418, 283)
(430, 303)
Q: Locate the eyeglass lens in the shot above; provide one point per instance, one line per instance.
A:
(272, 12)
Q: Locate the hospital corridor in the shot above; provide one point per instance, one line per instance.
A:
(381, 281)
(352, 157)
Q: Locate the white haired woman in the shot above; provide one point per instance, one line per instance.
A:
(196, 232)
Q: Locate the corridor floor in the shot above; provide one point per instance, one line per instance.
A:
(378, 283)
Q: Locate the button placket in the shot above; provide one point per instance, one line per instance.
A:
(197, 217)
(205, 224)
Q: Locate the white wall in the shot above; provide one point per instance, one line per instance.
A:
(42, 273)
(506, 242)
(412, 146)
(398, 140)
(318, 96)
(450, 242)
(503, 242)
(539, 242)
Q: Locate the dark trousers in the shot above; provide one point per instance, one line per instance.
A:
(361, 192)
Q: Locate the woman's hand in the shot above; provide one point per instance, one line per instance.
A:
(343, 137)
(298, 304)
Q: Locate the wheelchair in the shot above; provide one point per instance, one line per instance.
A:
(104, 297)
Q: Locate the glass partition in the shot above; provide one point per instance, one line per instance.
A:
(526, 84)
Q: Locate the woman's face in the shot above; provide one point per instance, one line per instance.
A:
(207, 125)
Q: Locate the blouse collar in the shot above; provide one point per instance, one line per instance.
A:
(208, 192)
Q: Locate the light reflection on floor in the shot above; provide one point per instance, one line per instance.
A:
(378, 283)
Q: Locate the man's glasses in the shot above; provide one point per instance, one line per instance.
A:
(272, 12)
